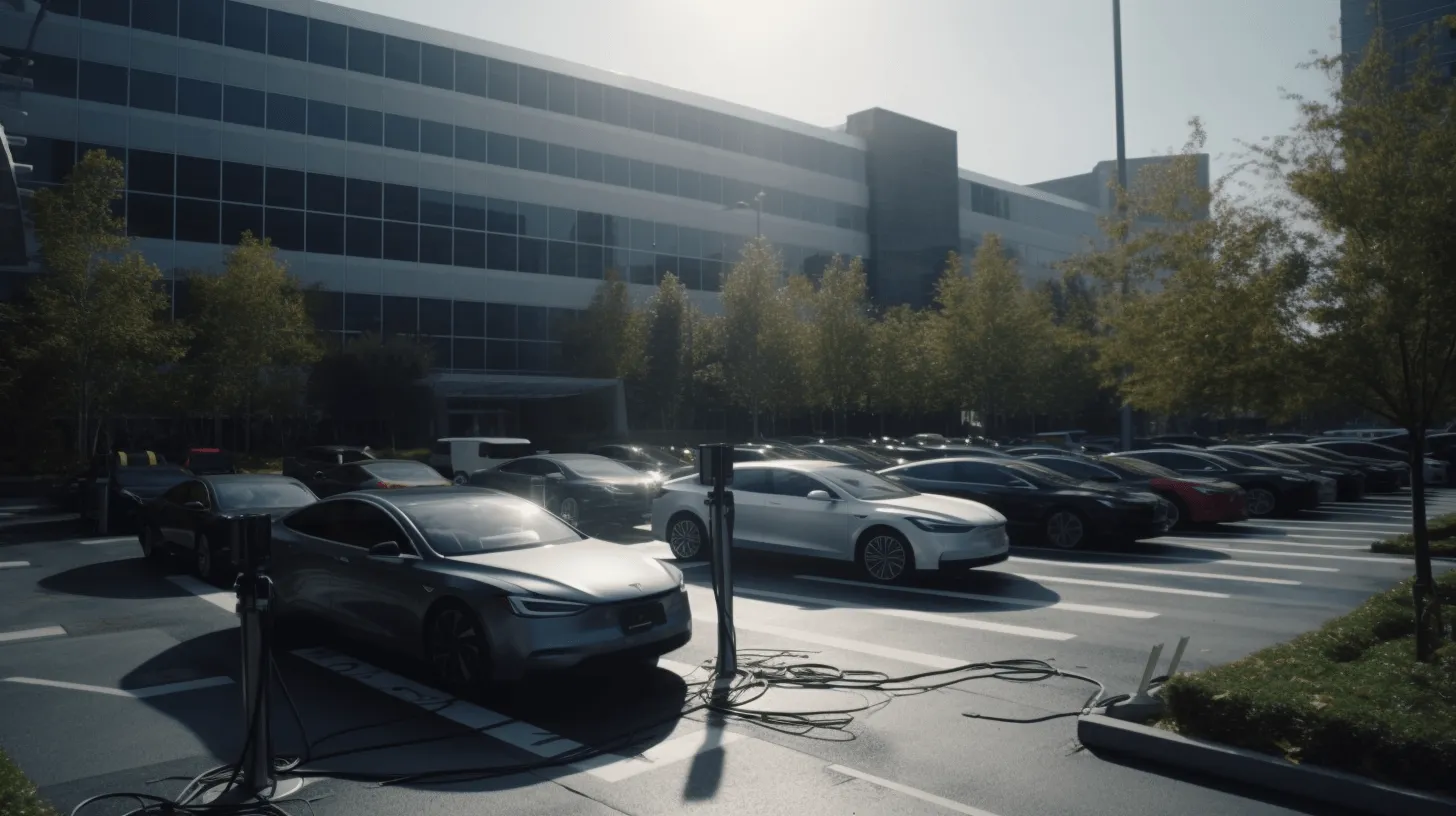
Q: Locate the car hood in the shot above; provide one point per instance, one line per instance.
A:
(948, 508)
(1091, 490)
(589, 571)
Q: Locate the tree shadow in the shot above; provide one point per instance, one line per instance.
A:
(127, 578)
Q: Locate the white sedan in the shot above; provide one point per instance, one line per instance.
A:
(827, 510)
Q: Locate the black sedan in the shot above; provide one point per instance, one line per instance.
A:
(189, 517)
(652, 459)
(1051, 508)
(131, 487)
(374, 474)
(1270, 491)
(1380, 476)
(578, 487)
(1349, 482)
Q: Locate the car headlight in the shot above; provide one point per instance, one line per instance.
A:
(930, 525)
(528, 607)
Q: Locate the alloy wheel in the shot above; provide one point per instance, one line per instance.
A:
(1065, 530)
(460, 479)
(685, 539)
(570, 512)
(1260, 501)
(204, 559)
(1175, 516)
(885, 557)
(456, 648)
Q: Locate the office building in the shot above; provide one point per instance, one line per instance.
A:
(1401, 20)
(475, 194)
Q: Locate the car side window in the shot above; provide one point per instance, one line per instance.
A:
(753, 480)
(933, 471)
(747, 455)
(1077, 470)
(363, 525)
(318, 520)
(197, 492)
(793, 483)
(177, 495)
(524, 467)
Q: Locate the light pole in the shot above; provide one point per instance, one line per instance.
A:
(757, 207)
(1121, 173)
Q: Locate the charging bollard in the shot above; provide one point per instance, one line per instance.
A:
(715, 469)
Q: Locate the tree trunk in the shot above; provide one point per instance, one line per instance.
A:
(1427, 603)
(248, 424)
(754, 409)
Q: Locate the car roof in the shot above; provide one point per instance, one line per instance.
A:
(229, 478)
(403, 498)
(494, 440)
(789, 464)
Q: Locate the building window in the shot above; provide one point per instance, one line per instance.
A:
(437, 67)
(285, 228)
(562, 93)
(197, 221)
(325, 234)
(501, 216)
(469, 354)
(588, 100)
(472, 74)
(159, 16)
(589, 228)
(437, 138)
(326, 119)
(534, 156)
(149, 216)
(363, 197)
(114, 12)
(531, 255)
(401, 241)
(469, 212)
(561, 258)
(326, 308)
(435, 246)
(589, 165)
(665, 118)
(149, 172)
(401, 314)
(641, 112)
(562, 160)
(287, 35)
(561, 224)
(502, 149)
(238, 219)
(328, 43)
(286, 188)
(500, 355)
(402, 59)
(54, 76)
(642, 175)
(500, 252)
(199, 178)
(434, 316)
(469, 318)
(325, 193)
(103, 83)
(532, 219)
(242, 106)
(401, 202)
(198, 98)
(366, 51)
(242, 182)
(401, 132)
(366, 126)
(361, 312)
(665, 180)
(152, 91)
(589, 261)
(201, 20)
(364, 236)
(288, 113)
(470, 144)
(616, 170)
(534, 87)
(616, 107)
(500, 320)
(436, 207)
(247, 27)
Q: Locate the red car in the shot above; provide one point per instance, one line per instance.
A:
(1194, 500)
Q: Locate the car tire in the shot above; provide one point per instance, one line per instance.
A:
(1179, 517)
(884, 556)
(204, 561)
(154, 550)
(1260, 501)
(687, 538)
(457, 648)
(461, 478)
(1065, 529)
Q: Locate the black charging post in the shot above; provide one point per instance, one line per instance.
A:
(715, 469)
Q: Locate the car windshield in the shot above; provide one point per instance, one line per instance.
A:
(405, 472)
(1044, 474)
(862, 485)
(151, 476)
(1138, 467)
(473, 523)
(237, 495)
(600, 468)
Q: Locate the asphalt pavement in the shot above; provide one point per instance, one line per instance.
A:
(117, 676)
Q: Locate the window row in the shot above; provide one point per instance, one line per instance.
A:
(111, 84)
(985, 200)
(293, 36)
(219, 200)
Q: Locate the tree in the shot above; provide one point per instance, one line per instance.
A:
(839, 340)
(96, 317)
(374, 380)
(1372, 167)
(755, 311)
(603, 342)
(667, 349)
(902, 375)
(250, 330)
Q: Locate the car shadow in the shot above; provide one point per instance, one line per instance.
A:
(127, 578)
(1148, 552)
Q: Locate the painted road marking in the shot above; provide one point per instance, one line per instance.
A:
(1161, 590)
(95, 542)
(914, 793)
(1212, 576)
(513, 732)
(1241, 540)
(1184, 559)
(709, 616)
(910, 614)
(1308, 524)
(135, 694)
(32, 634)
(1289, 534)
(13, 564)
(1384, 560)
(226, 601)
(1065, 606)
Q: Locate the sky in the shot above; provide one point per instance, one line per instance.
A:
(1028, 84)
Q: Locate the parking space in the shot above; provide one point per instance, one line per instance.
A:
(96, 647)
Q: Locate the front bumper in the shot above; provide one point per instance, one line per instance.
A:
(522, 646)
(981, 546)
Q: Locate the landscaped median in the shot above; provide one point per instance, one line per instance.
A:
(1344, 714)
(17, 794)
(1443, 539)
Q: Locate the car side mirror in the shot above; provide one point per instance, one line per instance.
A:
(819, 495)
(194, 505)
(385, 549)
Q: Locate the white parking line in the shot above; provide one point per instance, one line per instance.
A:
(1064, 606)
(134, 694)
(1212, 576)
(799, 636)
(93, 542)
(910, 614)
(226, 601)
(1242, 540)
(1305, 524)
(1160, 590)
(32, 634)
(13, 564)
(1184, 559)
(1385, 560)
(1281, 540)
(914, 793)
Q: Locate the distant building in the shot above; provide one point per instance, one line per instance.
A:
(1401, 20)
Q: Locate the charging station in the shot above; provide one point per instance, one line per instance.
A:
(715, 469)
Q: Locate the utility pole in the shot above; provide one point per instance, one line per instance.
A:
(1121, 173)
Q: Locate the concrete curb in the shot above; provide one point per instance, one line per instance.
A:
(1254, 768)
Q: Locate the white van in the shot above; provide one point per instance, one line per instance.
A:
(456, 457)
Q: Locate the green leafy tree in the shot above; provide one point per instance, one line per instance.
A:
(839, 338)
(666, 357)
(1372, 167)
(902, 373)
(251, 333)
(755, 335)
(374, 380)
(605, 340)
(96, 318)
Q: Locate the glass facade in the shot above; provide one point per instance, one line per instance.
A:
(292, 36)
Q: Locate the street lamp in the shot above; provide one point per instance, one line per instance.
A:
(1126, 423)
(757, 207)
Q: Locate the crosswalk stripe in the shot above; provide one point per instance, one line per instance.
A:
(1183, 559)
(1212, 576)
(1064, 606)
(911, 614)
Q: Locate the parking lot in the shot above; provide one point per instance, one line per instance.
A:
(113, 674)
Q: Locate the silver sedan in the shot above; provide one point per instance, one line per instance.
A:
(829, 510)
(483, 585)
